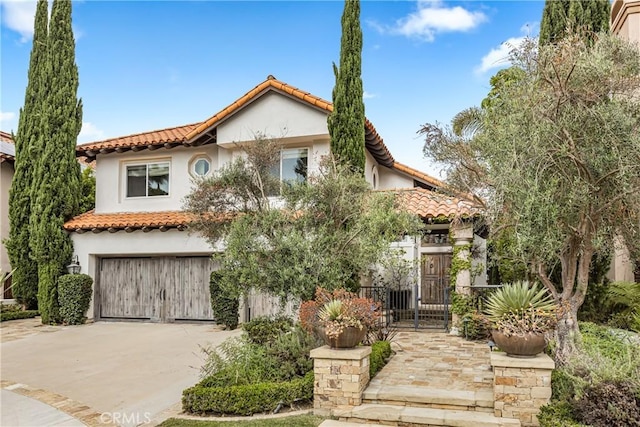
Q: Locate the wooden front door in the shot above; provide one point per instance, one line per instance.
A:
(159, 289)
(434, 278)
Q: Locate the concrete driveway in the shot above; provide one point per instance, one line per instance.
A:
(135, 369)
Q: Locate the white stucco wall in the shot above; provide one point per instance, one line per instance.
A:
(6, 175)
(111, 178)
(391, 179)
(273, 115)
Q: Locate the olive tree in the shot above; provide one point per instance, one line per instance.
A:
(557, 162)
(325, 231)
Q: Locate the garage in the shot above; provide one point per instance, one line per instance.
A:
(158, 289)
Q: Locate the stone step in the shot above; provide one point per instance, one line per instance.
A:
(408, 415)
(336, 423)
(429, 397)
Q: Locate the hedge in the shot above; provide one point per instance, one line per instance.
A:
(247, 399)
(225, 307)
(74, 297)
(380, 352)
(14, 315)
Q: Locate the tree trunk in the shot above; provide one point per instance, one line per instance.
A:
(567, 333)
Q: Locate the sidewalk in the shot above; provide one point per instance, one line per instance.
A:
(17, 410)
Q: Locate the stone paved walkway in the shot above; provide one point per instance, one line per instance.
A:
(18, 329)
(437, 360)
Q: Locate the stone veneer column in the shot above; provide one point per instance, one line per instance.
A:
(521, 386)
(462, 235)
(341, 375)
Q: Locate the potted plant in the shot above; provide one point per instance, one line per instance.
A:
(340, 318)
(521, 315)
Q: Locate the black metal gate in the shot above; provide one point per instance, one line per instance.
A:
(426, 304)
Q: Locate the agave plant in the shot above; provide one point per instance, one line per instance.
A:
(519, 308)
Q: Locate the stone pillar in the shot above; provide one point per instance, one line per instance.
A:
(521, 386)
(462, 235)
(341, 375)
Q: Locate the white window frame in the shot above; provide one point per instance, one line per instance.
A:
(147, 164)
(192, 165)
(291, 149)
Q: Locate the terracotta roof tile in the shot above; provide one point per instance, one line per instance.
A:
(429, 204)
(186, 133)
(135, 220)
(7, 147)
(175, 134)
(374, 142)
(419, 175)
(6, 137)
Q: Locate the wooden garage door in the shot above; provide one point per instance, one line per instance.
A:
(158, 289)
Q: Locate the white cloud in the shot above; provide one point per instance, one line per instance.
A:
(433, 17)
(18, 15)
(498, 57)
(368, 95)
(6, 119)
(90, 132)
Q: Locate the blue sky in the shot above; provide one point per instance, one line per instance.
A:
(147, 65)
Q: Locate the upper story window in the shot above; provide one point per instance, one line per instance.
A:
(292, 167)
(200, 166)
(148, 180)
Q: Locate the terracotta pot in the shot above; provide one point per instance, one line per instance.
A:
(527, 345)
(350, 337)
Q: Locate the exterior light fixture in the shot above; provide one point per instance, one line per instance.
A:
(74, 267)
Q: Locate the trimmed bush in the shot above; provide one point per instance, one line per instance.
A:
(225, 306)
(264, 329)
(74, 297)
(380, 352)
(609, 404)
(15, 315)
(247, 399)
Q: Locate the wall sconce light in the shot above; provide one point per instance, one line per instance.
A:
(74, 267)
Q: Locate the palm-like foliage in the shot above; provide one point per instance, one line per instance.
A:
(517, 298)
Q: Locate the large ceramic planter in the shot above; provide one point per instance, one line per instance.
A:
(527, 345)
(350, 337)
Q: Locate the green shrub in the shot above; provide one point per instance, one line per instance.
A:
(74, 297)
(17, 314)
(609, 404)
(264, 329)
(557, 414)
(238, 362)
(225, 306)
(247, 399)
(474, 326)
(290, 352)
(380, 352)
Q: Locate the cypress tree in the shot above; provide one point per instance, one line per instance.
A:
(28, 141)
(346, 122)
(589, 16)
(56, 190)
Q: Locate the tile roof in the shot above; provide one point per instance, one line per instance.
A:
(7, 147)
(128, 220)
(419, 175)
(188, 134)
(170, 136)
(373, 141)
(429, 204)
(422, 202)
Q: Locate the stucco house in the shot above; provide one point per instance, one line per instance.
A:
(136, 244)
(625, 23)
(7, 158)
